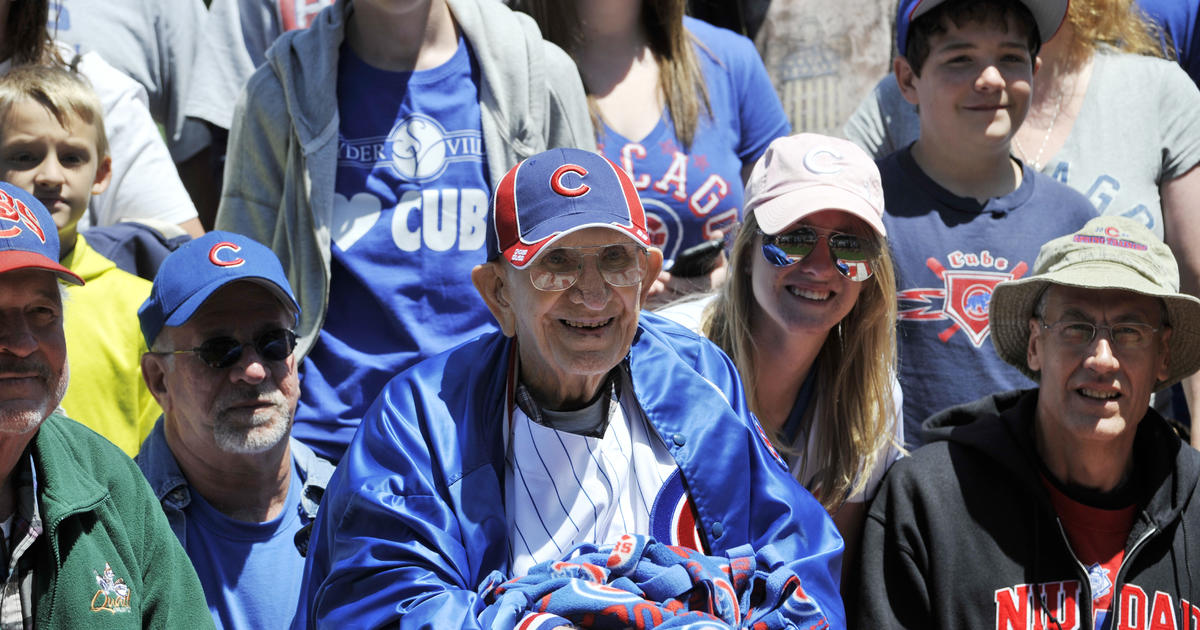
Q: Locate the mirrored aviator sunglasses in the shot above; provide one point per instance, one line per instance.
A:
(851, 254)
(221, 352)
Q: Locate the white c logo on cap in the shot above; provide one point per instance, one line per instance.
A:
(812, 161)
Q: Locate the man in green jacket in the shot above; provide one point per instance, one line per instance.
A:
(83, 542)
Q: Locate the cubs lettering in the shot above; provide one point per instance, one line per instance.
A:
(1109, 240)
(446, 217)
(1056, 605)
(966, 293)
(434, 218)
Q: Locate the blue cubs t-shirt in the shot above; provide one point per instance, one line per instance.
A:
(251, 572)
(410, 215)
(689, 192)
(950, 252)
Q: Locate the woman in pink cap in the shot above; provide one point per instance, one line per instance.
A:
(808, 317)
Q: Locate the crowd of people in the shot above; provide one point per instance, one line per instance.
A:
(537, 314)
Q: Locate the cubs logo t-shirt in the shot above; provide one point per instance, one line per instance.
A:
(950, 252)
(410, 212)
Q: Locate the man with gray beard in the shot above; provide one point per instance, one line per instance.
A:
(238, 490)
(82, 541)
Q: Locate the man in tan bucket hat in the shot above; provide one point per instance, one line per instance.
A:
(1066, 504)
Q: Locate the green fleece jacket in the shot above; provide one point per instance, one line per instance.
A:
(98, 512)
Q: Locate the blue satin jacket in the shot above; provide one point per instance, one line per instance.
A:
(413, 519)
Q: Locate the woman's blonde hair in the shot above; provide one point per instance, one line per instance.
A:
(1117, 23)
(854, 370)
(680, 79)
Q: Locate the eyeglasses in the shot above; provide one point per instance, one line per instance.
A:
(851, 254)
(621, 265)
(221, 352)
(1124, 336)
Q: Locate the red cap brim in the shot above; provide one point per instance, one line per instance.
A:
(15, 259)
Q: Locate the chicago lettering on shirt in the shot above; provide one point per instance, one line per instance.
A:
(1103, 192)
(674, 180)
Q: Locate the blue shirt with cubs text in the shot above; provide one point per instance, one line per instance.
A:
(410, 214)
(690, 191)
(950, 252)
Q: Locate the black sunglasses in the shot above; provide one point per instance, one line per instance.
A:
(221, 352)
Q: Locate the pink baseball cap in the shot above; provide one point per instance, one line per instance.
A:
(806, 173)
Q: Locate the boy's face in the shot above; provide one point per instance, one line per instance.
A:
(56, 163)
(975, 86)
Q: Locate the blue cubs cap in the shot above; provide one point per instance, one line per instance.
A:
(192, 273)
(28, 235)
(557, 192)
(1047, 14)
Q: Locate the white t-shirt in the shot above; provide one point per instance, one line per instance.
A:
(145, 183)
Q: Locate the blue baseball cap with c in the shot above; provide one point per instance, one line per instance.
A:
(555, 193)
(28, 236)
(1047, 14)
(192, 273)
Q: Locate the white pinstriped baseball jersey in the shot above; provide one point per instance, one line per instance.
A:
(563, 489)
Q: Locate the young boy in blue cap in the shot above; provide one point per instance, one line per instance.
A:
(962, 213)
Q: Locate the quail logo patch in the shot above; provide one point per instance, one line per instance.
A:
(113, 595)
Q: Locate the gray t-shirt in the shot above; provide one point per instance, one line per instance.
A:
(235, 41)
(154, 43)
(1139, 126)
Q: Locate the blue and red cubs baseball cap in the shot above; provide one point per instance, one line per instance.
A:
(28, 235)
(1047, 14)
(192, 273)
(555, 193)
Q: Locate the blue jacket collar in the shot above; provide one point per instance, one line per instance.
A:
(172, 489)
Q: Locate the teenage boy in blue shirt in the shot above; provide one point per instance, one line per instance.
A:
(962, 213)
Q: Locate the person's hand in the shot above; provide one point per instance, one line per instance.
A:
(668, 288)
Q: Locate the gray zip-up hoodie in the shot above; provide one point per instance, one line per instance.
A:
(282, 159)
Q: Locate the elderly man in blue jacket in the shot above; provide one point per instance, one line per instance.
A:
(584, 422)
